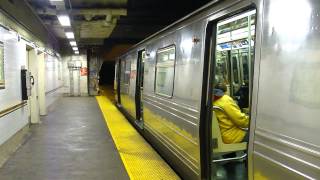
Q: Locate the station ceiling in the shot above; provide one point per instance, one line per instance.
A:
(112, 24)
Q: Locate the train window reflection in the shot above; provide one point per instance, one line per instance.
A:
(231, 95)
(1, 66)
(165, 71)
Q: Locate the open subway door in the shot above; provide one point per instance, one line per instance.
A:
(230, 81)
(139, 88)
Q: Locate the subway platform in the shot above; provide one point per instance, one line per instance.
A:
(92, 140)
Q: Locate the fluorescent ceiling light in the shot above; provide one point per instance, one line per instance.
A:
(70, 35)
(64, 20)
(76, 52)
(73, 43)
(75, 48)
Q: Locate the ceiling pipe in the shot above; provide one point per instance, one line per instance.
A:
(107, 11)
(56, 23)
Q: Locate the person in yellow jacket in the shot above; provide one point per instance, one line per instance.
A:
(232, 120)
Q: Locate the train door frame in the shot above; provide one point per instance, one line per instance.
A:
(205, 114)
(205, 129)
(139, 89)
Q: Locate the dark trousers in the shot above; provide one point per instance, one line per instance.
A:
(246, 137)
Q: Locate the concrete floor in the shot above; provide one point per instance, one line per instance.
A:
(71, 143)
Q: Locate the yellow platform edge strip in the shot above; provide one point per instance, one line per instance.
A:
(140, 160)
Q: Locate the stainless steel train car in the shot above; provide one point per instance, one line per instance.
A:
(268, 50)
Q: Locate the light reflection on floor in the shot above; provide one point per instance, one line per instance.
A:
(229, 171)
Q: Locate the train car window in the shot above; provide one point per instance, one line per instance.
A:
(143, 54)
(116, 75)
(2, 81)
(222, 72)
(165, 71)
(231, 95)
(122, 72)
(127, 72)
(143, 57)
(235, 68)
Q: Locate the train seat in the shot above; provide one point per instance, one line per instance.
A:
(221, 148)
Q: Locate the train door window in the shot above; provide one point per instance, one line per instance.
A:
(232, 85)
(235, 66)
(244, 68)
(1, 65)
(165, 71)
(235, 71)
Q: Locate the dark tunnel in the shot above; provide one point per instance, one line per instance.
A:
(106, 73)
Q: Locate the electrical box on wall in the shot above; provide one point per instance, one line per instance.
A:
(25, 84)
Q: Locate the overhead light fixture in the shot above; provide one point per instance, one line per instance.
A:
(73, 43)
(57, 2)
(76, 52)
(75, 48)
(70, 35)
(64, 20)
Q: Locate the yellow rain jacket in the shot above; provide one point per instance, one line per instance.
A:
(231, 120)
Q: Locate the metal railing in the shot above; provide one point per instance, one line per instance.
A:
(12, 108)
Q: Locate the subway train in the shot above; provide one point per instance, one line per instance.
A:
(267, 54)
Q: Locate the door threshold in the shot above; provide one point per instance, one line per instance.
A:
(139, 123)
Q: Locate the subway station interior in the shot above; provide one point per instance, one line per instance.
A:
(159, 89)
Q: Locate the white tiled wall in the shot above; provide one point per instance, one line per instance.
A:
(54, 80)
(14, 57)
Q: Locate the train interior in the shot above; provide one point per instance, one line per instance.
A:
(233, 68)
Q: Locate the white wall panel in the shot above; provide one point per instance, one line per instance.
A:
(14, 57)
(12, 123)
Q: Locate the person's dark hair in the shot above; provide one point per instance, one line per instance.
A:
(221, 86)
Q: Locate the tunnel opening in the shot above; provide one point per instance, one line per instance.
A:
(107, 73)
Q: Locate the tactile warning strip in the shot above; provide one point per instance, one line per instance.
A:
(139, 158)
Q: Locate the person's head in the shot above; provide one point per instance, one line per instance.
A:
(219, 90)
